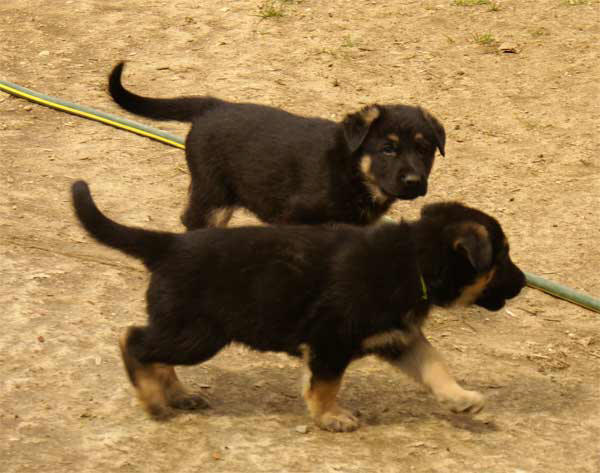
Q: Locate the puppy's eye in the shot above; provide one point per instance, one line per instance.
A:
(389, 149)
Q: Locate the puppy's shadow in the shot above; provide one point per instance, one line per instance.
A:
(379, 396)
(251, 392)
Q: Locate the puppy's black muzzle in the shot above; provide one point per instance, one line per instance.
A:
(411, 186)
(506, 284)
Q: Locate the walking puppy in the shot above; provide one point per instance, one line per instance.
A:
(287, 168)
(328, 294)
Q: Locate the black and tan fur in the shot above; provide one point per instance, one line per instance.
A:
(290, 169)
(329, 294)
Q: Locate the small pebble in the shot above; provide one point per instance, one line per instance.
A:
(41, 339)
(302, 429)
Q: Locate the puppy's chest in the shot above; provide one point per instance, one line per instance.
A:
(359, 206)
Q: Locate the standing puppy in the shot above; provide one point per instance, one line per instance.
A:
(329, 294)
(287, 168)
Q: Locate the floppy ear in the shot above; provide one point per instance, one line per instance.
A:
(357, 125)
(473, 242)
(438, 131)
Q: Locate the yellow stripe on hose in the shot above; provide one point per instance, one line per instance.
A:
(91, 116)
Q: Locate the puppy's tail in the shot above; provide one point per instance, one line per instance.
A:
(149, 246)
(182, 109)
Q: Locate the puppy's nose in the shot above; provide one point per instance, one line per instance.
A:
(411, 180)
(414, 184)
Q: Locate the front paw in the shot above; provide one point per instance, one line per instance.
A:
(463, 401)
(338, 420)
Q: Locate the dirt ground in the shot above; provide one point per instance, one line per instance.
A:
(522, 145)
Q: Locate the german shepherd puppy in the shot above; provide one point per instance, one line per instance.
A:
(290, 169)
(329, 294)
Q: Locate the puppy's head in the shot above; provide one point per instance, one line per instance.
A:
(467, 257)
(396, 145)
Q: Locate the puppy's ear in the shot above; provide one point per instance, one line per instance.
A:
(472, 241)
(357, 125)
(438, 131)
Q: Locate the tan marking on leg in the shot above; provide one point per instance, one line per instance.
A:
(393, 137)
(320, 397)
(370, 114)
(370, 181)
(392, 337)
(176, 394)
(418, 136)
(470, 293)
(306, 374)
(148, 382)
(220, 217)
(151, 391)
(424, 363)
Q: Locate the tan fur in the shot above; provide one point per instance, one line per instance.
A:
(471, 292)
(157, 385)
(171, 384)
(320, 397)
(424, 363)
(393, 337)
(220, 217)
(370, 182)
(306, 374)
(468, 227)
(418, 136)
(393, 137)
(370, 114)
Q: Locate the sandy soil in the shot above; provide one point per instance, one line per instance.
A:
(522, 145)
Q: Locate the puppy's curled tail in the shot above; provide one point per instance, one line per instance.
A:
(147, 245)
(182, 109)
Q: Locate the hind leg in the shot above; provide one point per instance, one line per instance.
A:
(208, 206)
(149, 358)
(321, 383)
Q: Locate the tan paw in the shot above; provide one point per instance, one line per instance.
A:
(463, 401)
(338, 420)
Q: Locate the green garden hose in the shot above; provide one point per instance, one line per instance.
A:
(92, 114)
(549, 287)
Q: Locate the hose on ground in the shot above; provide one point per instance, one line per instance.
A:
(537, 282)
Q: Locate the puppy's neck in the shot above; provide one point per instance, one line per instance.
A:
(433, 263)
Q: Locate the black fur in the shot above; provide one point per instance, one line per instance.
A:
(287, 168)
(279, 288)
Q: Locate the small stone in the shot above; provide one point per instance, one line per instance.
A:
(302, 429)
(44, 53)
(508, 48)
(216, 456)
(41, 339)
